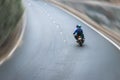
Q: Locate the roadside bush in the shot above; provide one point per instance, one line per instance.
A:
(10, 13)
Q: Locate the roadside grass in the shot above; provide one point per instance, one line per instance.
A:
(10, 13)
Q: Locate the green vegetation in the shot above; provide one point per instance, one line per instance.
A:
(10, 13)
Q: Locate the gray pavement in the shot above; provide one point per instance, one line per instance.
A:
(49, 50)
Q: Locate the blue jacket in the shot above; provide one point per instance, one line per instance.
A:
(79, 31)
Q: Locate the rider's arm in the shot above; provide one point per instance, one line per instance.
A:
(81, 31)
(75, 31)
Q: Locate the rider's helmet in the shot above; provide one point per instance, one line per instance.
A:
(78, 26)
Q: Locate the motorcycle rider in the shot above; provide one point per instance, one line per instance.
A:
(78, 32)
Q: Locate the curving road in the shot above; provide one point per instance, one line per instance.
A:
(49, 51)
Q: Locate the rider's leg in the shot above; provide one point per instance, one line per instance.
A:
(76, 37)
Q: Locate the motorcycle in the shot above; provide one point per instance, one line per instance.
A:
(80, 41)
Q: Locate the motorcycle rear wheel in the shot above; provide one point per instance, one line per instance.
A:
(80, 44)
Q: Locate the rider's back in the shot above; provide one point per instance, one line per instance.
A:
(79, 31)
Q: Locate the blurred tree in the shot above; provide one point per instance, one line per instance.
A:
(10, 13)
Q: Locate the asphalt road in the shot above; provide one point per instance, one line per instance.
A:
(49, 50)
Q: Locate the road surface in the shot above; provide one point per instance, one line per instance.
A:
(49, 50)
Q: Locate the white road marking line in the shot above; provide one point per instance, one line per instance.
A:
(64, 40)
(29, 4)
(51, 18)
(58, 26)
(54, 22)
(1, 62)
(61, 33)
(45, 4)
(48, 15)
